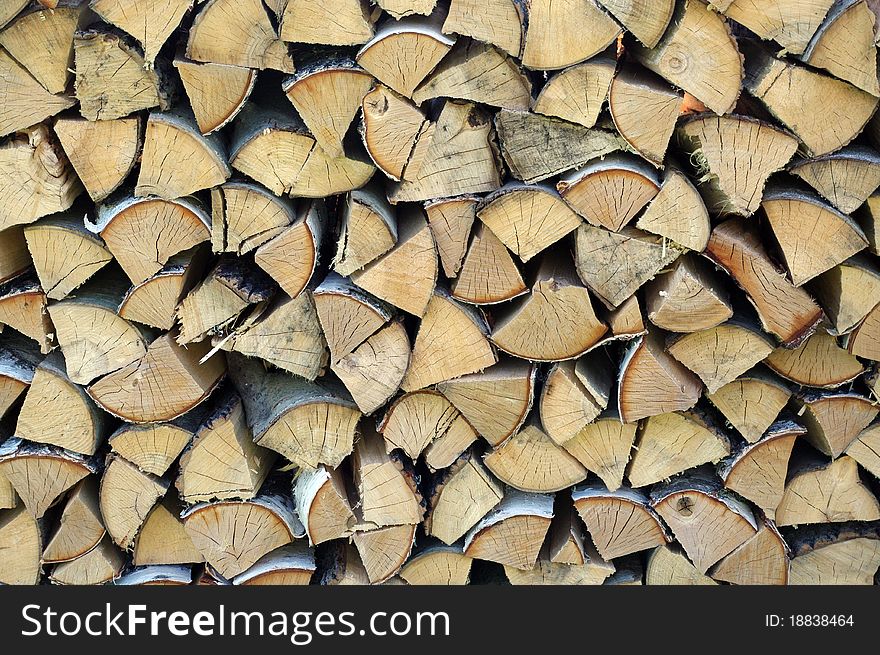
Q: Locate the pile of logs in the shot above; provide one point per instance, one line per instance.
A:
(438, 291)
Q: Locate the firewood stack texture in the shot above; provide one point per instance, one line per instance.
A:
(439, 291)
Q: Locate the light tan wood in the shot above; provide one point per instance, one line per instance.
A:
(668, 566)
(672, 443)
(865, 449)
(852, 561)
(14, 256)
(312, 21)
(559, 36)
(80, 526)
(671, 388)
(289, 565)
(25, 101)
(23, 307)
(450, 221)
(100, 565)
(216, 92)
(690, 297)
(567, 405)
(576, 94)
(604, 447)
(163, 384)
(488, 273)
(401, 8)
(848, 292)
(646, 20)
(322, 504)
(291, 257)
(826, 493)
(385, 484)
(384, 551)
(791, 23)
(817, 362)
(862, 341)
(238, 33)
(512, 534)
(438, 566)
(752, 402)
(677, 212)
(395, 133)
(245, 216)
(21, 537)
(154, 447)
(426, 420)
(698, 54)
(845, 178)
(126, 497)
(499, 22)
(150, 22)
(762, 560)
(593, 572)
(834, 420)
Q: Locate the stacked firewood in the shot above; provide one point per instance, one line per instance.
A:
(430, 291)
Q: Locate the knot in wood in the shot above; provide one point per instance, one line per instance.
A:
(685, 506)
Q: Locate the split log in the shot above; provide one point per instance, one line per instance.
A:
(644, 108)
(845, 178)
(21, 539)
(459, 158)
(401, 8)
(151, 22)
(719, 355)
(154, 301)
(556, 321)
(450, 221)
(327, 93)
(41, 474)
(292, 257)
(286, 334)
(14, 256)
(499, 22)
(576, 94)
(216, 92)
(719, 169)
(604, 447)
(698, 54)
(672, 443)
(425, 421)
(386, 485)
(477, 72)
(451, 342)
(496, 401)
(677, 212)
(512, 534)
(848, 293)
(865, 449)
(232, 536)
(293, 564)
(228, 290)
(93, 338)
(347, 314)
(177, 160)
(620, 522)
(786, 311)
(531, 462)
(771, 81)
(65, 254)
(817, 362)
(609, 192)
(651, 382)
(165, 383)
(25, 101)
(488, 273)
(322, 504)
(574, 394)
(144, 233)
(245, 216)
(100, 565)
(307, 423)
(792, 23)
(367, 231)
(757, 471)
(222, 461)
(239, 33)
(707, 521)
(615, 264)
(437, 565)
(762, 560)
(41, 40)
(384, 551)
(154, 447)
(839, 555)
(404, 276)
(59, 412)
(36, 178)
(127, 495)
(80, 527)
(834, 420)
(863, 340)
(843, 45)
(537, 147)
(566, 543)
(822, 492)
(395, 133)
(112, 78)
(646, 21)
(347, 22)
(10, 9)
(559, 36)
(689, 298)
(23, 307)
(594, 572)
(19, 359)
(669, 566)
(402, 53)
(794, 215)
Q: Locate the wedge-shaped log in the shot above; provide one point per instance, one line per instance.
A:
(620, 522)
(576, 94)
(23, 308)
(604, 447)
(24, 100)
(817, 362)
(127, 495)
(395, 133)
(677, 212)
(562, 35)
(216, 92)
(669, 566)
(437, 565)
(21, 536)
(289, 565)
(574, 394)
(834, 420)
(647, 21)
(698, 54)
(762, 560)
(80, 527)
(791, 23)
(19, 358)
(706, 520)
(347, 22)
(163, 384)
(460, 498)
(322, 504)
(786, 311)
(239, 33)
(845, 178)
(488, 272)
(245, 216)
(100, 565)
(822, 492)
(672, 443)
(292, 257)
(865, 448)
(425, 421)
(450, 220)
(151, 22)
(384, 551)
(154, 447)
(386, 485)
(512, 533)
(848, 292)
(688, 298)
(846, 554)
(499, 22)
